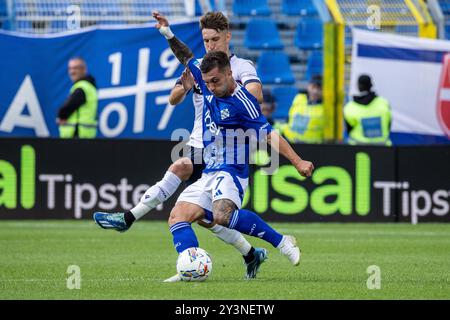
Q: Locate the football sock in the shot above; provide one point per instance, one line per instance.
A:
(157, 194)
(250, 256)
(129, 218)
(140, 210)
(233, 237)
(183, 236)
(250, 223)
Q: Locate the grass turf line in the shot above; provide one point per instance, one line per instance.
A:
(35, 255)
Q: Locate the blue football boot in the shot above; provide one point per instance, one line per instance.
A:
(253, 267)
(114, 221)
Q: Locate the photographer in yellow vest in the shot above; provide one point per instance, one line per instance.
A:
(368, 116)
(306, 118)
(77, 118)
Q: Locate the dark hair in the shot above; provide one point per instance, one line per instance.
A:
(214, 59)
(317, 80)
(364, 82)
(214, 20)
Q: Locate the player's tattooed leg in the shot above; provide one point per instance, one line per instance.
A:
(222, 210)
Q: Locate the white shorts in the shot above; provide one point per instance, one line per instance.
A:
(214, 186)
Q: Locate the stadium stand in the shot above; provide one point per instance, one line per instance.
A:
(273, 67)
(287, 23)
(283, 98)
(58, 24)
(139, 8)
(3, 9)
(100, 10)
(395, 17)
(251, 8)
(298, 7)
(315, 64)
(262, 34)
(3, 14)
(309, 34)
(52, 9)
(48, 16)
(102, 13)
(24, 25)
(445, 7)
(407, 30)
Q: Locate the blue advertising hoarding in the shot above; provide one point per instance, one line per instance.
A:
(133, 66)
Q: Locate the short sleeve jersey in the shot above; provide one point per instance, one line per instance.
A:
(228, 124)
(244, 72)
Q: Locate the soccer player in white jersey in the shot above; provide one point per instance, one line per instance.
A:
(216, 37)
(228, 110)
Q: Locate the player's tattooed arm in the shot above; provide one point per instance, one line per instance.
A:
(179, 49)
(222, 210)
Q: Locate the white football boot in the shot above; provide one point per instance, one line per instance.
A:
(288, 247)
(175, 278)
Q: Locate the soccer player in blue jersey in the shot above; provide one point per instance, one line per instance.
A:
(216, 35)
(217, 195)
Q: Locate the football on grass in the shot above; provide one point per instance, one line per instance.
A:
(194, 264)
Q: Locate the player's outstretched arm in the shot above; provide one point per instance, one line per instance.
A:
(179, 49)
(179, 92)
(177, 95)
(283, 147)
(255, 88)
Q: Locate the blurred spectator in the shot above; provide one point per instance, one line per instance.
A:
(268, 106)
(306, 119)
(368, 116)
(77, 118)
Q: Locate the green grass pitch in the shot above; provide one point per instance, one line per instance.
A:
(414, 262)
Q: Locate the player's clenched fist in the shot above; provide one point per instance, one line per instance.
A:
(305, 168)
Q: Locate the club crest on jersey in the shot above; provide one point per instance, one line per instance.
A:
(224, 113)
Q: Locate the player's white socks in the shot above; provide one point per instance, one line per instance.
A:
(233, 237)
(157, 194)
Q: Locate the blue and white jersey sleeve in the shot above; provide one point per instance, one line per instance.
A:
(244, 72)
(194, 67)
(250, 114)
